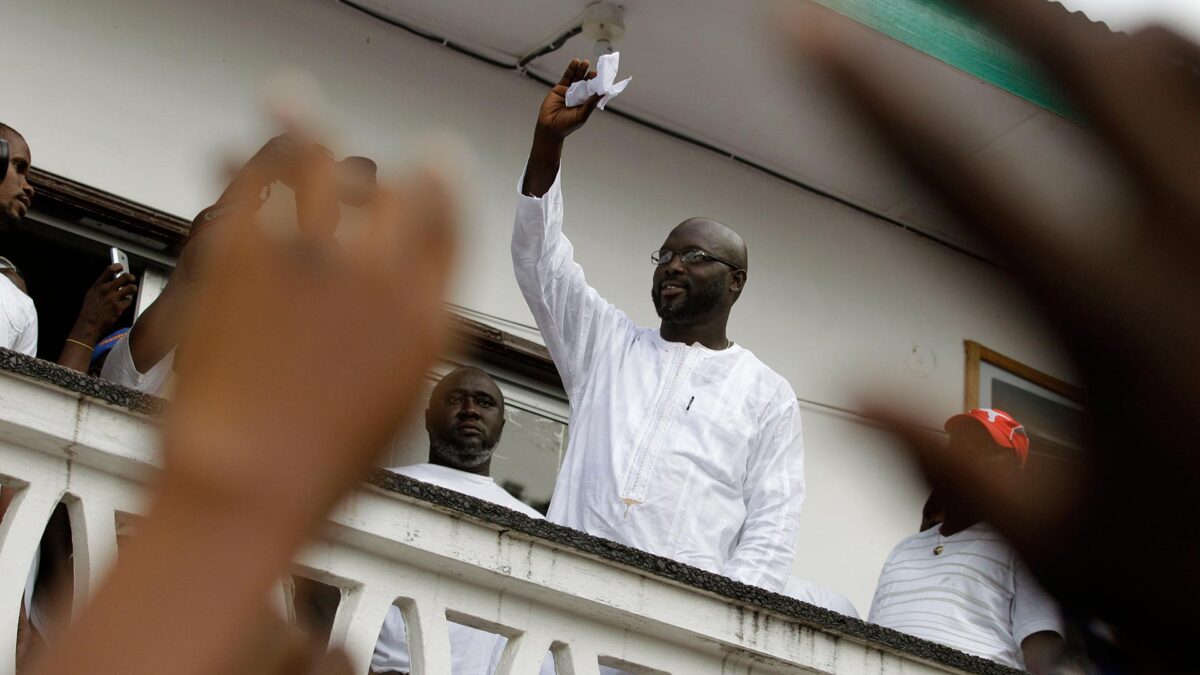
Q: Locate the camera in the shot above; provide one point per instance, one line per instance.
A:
(3, 159)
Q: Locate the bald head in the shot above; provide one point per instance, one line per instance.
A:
(465, 419)
(715, 237)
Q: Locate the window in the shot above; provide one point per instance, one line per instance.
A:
(1051, 409)
(527, 458)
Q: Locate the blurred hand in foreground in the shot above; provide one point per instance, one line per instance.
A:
(1118, 538)
(304, 355)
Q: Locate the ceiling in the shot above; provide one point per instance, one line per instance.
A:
(720, 72)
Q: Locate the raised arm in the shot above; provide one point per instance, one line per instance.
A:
(555, 122)
(573, 318)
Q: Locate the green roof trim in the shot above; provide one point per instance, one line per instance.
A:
(944, 31)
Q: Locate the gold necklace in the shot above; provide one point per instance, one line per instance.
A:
(937, 550)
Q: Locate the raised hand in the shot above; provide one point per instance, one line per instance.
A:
(106, 300)
(1117, 538)
(555, 122)
(375, 297)
(302, 356)
(103, 304)
(554, 116)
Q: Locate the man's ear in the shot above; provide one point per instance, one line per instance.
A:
(500, 428)
(427, 414)
(737, 280)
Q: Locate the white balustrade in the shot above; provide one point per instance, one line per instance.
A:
(436, 562)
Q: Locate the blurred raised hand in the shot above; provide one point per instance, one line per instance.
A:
(1116, 539)
(303, 355)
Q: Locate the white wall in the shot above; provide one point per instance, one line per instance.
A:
(142, 99)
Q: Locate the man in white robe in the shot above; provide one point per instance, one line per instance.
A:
(682, 443)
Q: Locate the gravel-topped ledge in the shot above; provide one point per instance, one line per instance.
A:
(80, 383)
(559, 536)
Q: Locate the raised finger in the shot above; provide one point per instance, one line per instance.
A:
(568, 77)
(581, 70)
(109, 273)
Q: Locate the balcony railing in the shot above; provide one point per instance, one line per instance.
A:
(439, 555)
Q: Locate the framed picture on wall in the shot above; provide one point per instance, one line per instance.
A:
(1050, 409)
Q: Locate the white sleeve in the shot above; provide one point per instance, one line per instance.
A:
(774, 494)
(391, 649)
(1033, 610)
(574, 320)
(842, 605)
(119, 368)
(27, 336)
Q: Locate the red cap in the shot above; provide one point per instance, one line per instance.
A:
(1004, 429)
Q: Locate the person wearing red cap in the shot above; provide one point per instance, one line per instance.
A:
(962, 585)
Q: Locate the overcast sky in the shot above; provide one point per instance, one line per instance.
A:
(1128, 15)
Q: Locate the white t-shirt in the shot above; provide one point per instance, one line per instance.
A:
(19, 332)
(687, 452)
(119, 368)
(19, 320)
(821, 597)
(977, 596)
(472, 651)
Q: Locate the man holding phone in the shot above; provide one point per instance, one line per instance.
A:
(103, 303)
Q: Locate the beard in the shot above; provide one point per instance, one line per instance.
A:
(699, 303)
(8, 214)
(469, 455)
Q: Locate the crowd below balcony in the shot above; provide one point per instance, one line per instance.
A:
(683, 443)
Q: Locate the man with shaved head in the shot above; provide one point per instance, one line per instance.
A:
(464, 420)
(682, 443)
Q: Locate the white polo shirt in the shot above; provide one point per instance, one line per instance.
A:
(19, 320)
(976, 595)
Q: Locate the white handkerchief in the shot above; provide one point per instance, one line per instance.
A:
(602, 83)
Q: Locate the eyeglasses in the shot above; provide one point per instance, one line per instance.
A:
(664, 256)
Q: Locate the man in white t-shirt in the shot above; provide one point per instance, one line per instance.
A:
(465, 419)
(18, 323)
(959, 583)
(102, 305)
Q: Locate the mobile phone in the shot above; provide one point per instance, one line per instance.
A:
(118, 257)
(3, 159)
